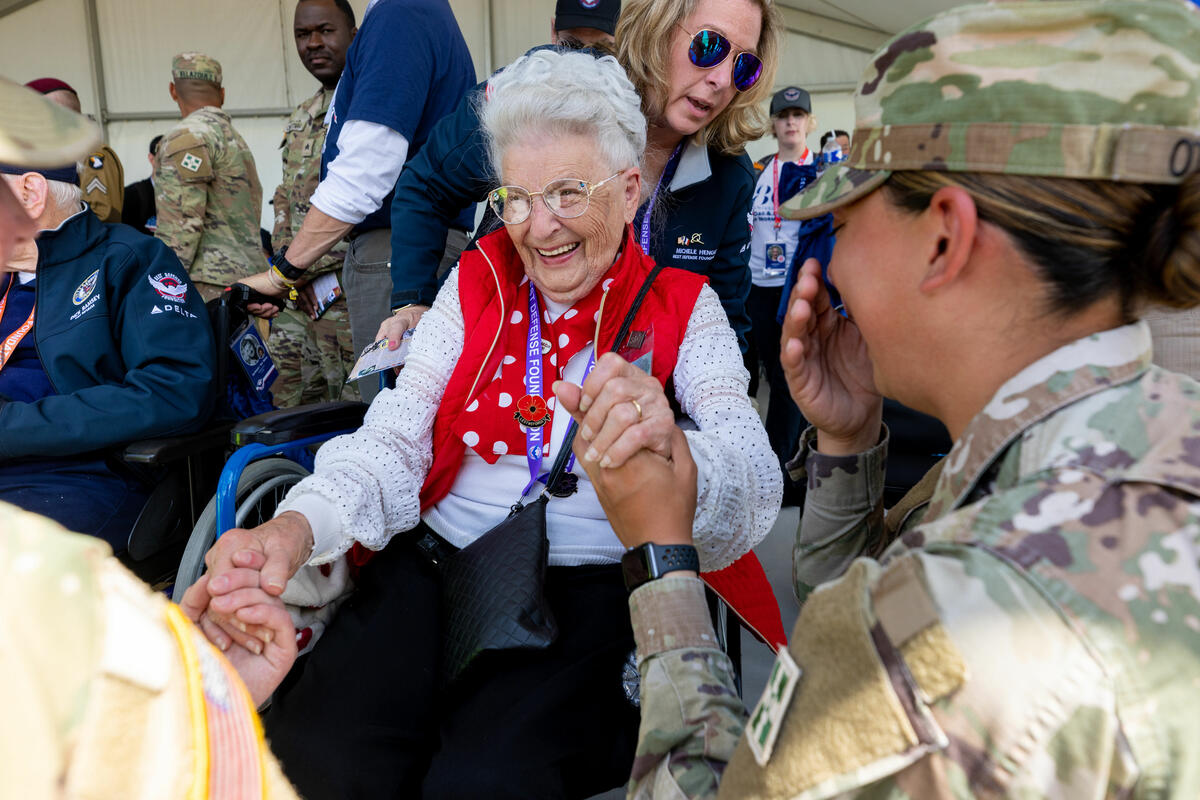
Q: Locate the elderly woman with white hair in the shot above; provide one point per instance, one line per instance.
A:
(471, 429)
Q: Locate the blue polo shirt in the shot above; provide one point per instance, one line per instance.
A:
(407, 67)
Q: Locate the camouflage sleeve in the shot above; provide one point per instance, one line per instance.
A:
(281, 233)
(181, 194)
(843, 511)
(692, 716)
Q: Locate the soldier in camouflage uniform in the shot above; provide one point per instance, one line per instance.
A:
(313, 357)
(206, 187)
(1033, 630)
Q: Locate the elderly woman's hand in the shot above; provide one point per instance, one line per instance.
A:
(621, 410)
(275, 550)
(401, 320)
(265, 659)
(828, 369)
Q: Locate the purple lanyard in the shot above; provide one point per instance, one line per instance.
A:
(533, 385)
(654, 197)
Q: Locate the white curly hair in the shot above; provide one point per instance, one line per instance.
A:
(565, 92)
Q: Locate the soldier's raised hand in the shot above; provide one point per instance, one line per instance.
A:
(829, 371)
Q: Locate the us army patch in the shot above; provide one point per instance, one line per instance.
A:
(96, 160)
(767, 719)
(95, 186)
(191, 162)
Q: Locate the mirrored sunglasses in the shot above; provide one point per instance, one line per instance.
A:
(709, 49)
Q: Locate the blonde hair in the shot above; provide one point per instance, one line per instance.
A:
(644, 34)
(1088, 239)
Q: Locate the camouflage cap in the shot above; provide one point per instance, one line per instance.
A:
(34, 132)
(1090, 89)
(196, 67)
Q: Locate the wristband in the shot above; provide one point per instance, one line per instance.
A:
(286, 269)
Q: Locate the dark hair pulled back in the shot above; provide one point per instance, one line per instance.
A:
(1089, 239)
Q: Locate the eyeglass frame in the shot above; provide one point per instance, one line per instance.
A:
(590, 188)
(734, 51)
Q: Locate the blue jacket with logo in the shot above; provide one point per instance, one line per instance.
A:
(706, 204)
(124, 339)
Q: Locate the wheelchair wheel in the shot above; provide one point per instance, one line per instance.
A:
(260, 490)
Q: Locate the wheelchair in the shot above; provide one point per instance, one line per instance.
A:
(185, 470)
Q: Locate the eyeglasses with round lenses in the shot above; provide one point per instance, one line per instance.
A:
(709, 49)
(565, 197)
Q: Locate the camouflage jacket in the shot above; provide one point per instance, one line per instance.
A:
(303, 140)
(117, 694)
(1035, 634)
(208, 198)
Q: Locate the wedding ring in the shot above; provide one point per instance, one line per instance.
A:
(637, 407)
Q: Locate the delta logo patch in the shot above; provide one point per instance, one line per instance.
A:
(169, 286)
(589, 3)
(85, 289)
(791, 94)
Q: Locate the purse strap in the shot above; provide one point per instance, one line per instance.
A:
(564, 451)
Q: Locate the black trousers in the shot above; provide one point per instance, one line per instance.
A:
(363, 716)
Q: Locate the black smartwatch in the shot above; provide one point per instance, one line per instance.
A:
(650, 561)
(286, 268)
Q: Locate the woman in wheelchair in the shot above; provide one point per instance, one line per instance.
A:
(470, 429)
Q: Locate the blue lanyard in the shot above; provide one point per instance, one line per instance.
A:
(533, 386)
(668, 170)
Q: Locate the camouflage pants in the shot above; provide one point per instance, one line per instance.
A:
(313, 357)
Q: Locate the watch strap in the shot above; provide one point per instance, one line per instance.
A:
(651, 561)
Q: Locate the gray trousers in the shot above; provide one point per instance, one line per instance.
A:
(367, 282)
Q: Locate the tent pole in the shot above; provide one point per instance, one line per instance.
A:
(97, 63)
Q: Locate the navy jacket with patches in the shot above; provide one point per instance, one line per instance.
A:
(121, 371)
(709, 196)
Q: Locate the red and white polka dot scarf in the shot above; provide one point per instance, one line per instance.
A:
(493, 424)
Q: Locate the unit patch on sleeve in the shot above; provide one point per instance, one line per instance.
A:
(191, 162)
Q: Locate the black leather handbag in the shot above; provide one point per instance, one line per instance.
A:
(493, 590)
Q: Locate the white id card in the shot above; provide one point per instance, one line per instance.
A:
(775, 261)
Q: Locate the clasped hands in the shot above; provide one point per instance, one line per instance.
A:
(634, 454)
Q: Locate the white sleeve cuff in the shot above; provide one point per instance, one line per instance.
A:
(322, 517)
(357, 181)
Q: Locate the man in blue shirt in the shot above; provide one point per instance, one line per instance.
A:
(407, 68)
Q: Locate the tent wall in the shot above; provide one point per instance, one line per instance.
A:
(117, 54)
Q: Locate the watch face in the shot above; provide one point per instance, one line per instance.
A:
(635, 567)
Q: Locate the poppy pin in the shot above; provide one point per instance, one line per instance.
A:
(532, 411)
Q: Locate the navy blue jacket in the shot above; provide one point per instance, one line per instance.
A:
(709, 198)
(124, 339)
